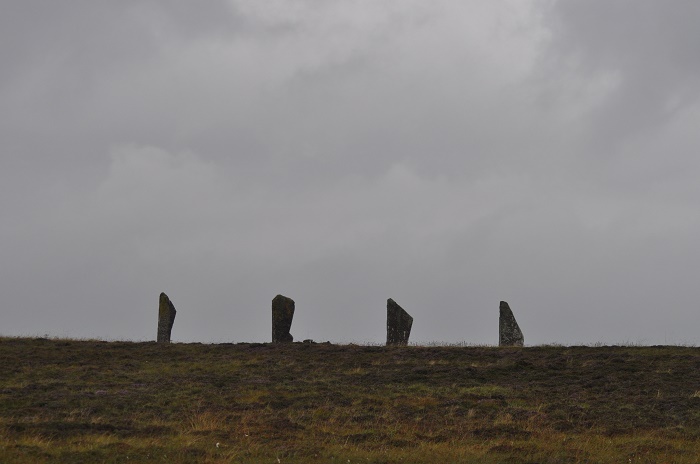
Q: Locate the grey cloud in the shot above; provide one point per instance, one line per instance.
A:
(647, 53)
(448, 156)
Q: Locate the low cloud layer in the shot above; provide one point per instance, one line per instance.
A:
(446, 155)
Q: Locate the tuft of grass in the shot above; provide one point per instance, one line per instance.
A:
(487, 391)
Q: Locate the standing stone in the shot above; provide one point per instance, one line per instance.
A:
(166, 318)
(509, 333)
(398, 324)
(282, 315)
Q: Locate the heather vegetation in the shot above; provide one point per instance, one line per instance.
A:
(117, 402)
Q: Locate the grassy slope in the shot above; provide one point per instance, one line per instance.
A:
(88, 401)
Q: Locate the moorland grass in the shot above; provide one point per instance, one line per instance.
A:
(116, 402)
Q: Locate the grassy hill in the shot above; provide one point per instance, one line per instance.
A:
(91, 401)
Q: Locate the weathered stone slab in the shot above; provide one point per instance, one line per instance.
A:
(509, 333)
(282, 315)
(398, 324)
(166, 318)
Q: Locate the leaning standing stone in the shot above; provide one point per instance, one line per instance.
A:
(166, 318)
(398, 324)
(509, 333)
(282, 315)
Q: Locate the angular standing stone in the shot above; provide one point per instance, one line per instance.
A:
(166, 318)
(509, 333)
(398, 324)
(282, 315)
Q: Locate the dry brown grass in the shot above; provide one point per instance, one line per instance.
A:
(88, 401)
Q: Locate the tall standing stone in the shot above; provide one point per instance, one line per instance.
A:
(398, 324)
(509, 333)
(282, 315)
(166, 318)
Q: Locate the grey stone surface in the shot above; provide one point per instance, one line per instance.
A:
(509, 333)
(282, 315)
(398, 324)
(166, 318)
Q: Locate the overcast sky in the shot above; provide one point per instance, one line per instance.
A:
(447, 154)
